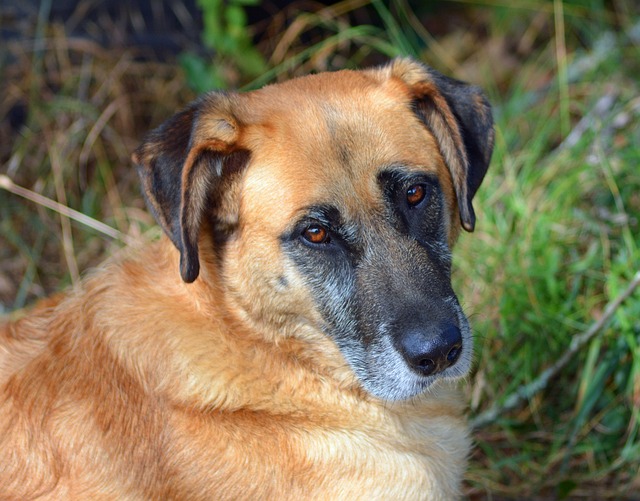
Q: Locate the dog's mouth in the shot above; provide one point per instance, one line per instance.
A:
(396, 367)
(390, 377)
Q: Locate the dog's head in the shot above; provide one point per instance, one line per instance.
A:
(332, 202)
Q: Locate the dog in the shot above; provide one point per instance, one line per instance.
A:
(294, 335)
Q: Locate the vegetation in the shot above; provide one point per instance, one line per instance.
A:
(558, 235)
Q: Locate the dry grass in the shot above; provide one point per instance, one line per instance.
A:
(72, 112)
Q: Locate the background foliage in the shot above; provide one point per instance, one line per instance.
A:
(558, 235)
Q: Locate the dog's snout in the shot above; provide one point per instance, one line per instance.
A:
(430, 350)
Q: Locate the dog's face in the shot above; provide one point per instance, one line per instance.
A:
(331, 203)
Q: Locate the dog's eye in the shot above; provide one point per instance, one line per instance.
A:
(316, 234)
(416, 194)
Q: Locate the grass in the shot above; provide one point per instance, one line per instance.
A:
(558, 215)
(558, 239)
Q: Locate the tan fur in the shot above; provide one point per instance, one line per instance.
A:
(137, 385)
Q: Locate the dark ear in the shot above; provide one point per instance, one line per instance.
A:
(180, 164)
(459, 116)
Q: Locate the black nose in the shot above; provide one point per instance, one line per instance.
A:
(429, 350)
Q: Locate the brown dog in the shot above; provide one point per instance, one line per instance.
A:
(296, 336)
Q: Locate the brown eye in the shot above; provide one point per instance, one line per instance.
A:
(316, 234)
(416, 194)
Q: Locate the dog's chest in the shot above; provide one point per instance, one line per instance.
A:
(379, 458)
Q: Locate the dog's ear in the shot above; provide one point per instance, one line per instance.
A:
(459, 116)
(180, 163)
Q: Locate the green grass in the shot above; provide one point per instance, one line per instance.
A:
(557, 238)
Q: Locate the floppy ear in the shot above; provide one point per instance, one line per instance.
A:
(459, 116)
(180, 163)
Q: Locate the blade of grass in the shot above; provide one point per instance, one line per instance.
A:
(7, 184)
(67, 237)
(396, 35)
(561, 59)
